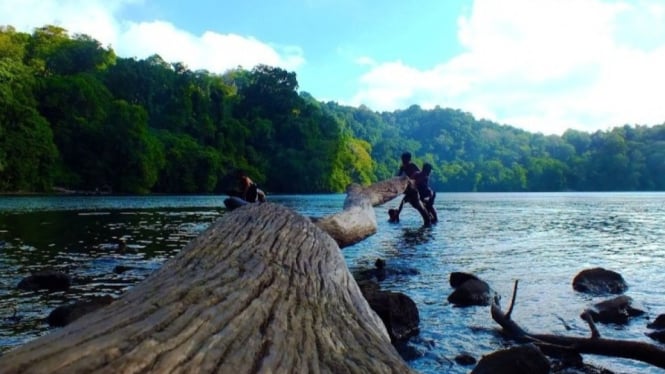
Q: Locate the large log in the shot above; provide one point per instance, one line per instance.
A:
(358, 220)
(261, 290)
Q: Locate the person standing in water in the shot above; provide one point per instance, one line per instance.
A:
(425, 192)
(409, 169)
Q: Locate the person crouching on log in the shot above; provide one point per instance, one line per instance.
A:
(249, 191)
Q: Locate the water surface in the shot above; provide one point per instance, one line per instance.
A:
(541, 239)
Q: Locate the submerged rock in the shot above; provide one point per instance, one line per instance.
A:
(47, 279)
(66, 314)
(617, 310)
(658, 323)
(599, 281)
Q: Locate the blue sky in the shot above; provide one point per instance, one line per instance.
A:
(541, 65)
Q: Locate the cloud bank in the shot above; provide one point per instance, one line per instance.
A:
(544, 66)
(101, 19)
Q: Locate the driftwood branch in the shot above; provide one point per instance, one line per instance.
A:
(648, 353)
(262, 290)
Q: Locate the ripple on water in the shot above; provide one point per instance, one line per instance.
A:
(541, 239)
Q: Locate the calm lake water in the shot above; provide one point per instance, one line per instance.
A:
(541, 239)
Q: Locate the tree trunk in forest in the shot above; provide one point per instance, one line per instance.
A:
(634, 350)
(261, 290)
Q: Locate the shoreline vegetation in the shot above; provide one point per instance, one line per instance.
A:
(83, 117)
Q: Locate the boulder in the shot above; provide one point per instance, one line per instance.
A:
(47, 279)
(469, 290)
(398, 312)
(658, 323)
(465, 359)
(617, 310)
(599, 281)
(66, 314)
(657, 335)
(521, 359)
(457, 278)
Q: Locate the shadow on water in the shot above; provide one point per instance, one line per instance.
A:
(412, 237)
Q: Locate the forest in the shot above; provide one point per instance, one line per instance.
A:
(77, 117)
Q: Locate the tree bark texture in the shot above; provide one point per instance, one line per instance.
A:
(262, 290)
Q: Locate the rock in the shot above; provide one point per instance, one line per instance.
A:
(599, 281)
(398, 312)
(47, 279)
(465, 359)
(469, 290)
(457, 278)
(380, 272)
(658, 323)
(522, 359)
(66, 314)
(119, 269)
(657, 335)
(617, 310)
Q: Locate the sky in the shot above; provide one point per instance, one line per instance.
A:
(541, 65)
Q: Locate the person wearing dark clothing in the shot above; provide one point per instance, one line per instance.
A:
(411, 195)
(426, 194)
(249, 191)
(407, 168)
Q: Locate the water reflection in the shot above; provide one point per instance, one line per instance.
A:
(412, 237)
(90, 246)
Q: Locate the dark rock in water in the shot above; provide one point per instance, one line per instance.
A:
(48, 279)
(407, 351)
(234, 202)
(658, 323)
(522, 359)
(469, 290)
(657, 335)
(380, 272)
(66, 314)
(599, 281)
(457, 278)
(398, 312)
(465, 359)
(368, 286)
(617, 310)
(119, 269)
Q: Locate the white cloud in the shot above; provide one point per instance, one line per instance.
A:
(211, 51)
(544, 65)
(99, 18)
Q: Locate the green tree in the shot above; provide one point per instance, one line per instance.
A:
(27, 151)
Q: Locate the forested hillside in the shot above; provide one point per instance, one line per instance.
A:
(76, 116)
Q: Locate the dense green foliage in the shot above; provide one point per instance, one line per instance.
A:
(75, 115)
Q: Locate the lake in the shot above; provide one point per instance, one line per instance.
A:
(542, 239)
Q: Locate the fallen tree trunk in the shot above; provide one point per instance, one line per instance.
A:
(645, 352)
(358, 220)
(261, 290)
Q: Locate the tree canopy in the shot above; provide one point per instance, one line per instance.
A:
(77, 116)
